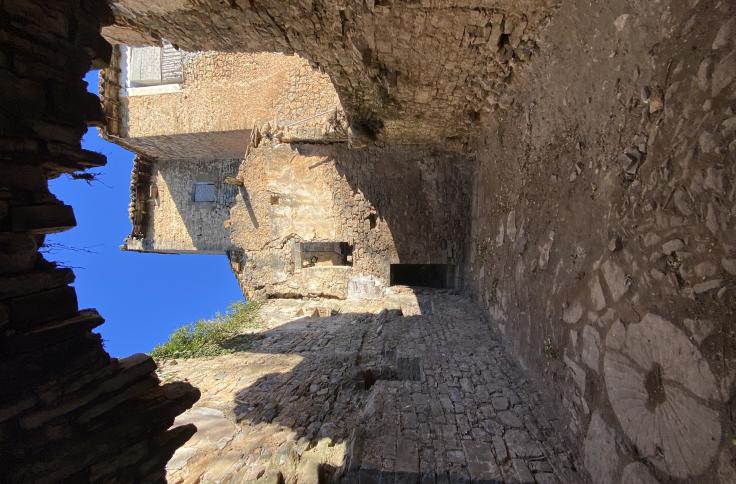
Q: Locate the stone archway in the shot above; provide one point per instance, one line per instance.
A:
(411, 72)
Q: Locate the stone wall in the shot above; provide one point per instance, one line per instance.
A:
(221, 98)
(175, 222)
(68, 412)
(394, 205)
(601, 234)
(603, 240)
(416, 71)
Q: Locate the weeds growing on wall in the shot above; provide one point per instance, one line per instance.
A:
(550, 352)
(211, 337)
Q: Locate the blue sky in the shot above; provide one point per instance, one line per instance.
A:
(142, 297)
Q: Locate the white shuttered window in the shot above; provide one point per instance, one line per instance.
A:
(154, 66)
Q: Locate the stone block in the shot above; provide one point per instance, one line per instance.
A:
(35, 309)
(481, 463)
(42, 219)
(18, 252)
(36, 281)
(523, 475)
(19, 97)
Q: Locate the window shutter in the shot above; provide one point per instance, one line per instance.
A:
(145, 66)
(171, 68)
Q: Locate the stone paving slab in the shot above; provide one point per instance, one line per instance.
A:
(412, 388)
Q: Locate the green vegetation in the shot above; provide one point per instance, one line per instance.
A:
(550, 352)
(211, 337)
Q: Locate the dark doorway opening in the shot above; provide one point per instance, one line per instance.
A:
(426, 275)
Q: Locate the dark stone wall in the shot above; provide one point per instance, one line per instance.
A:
(67, 410)
(603, 241)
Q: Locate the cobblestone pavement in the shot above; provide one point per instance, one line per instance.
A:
(414, 388)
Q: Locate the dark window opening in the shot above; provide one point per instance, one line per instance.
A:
(326, 254)
(372, 220)
(426, 275)
(274, 199)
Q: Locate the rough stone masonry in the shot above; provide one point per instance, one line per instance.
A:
(68, 411)
(601, 245)
(602, 225)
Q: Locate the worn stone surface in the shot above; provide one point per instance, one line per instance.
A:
(660, 386)
(328, 391)
(409, 71)
(601, 457)
(619, 138)
(637, 473)
(68, 411)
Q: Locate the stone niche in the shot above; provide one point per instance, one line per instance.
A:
(312, 254)
(439, 276)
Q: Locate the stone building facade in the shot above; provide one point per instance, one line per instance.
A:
(208, 110)
(304, 195)
(572, 159)
(247, 155)
(600, 139)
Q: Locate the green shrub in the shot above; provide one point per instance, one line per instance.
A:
(212, 337)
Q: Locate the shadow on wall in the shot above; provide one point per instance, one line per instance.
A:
(248, 205)
(422, 195)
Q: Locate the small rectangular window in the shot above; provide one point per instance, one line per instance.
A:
(204, 192)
